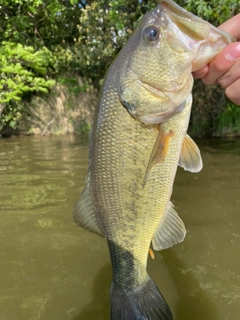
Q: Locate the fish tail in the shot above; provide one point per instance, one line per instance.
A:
(144, 303)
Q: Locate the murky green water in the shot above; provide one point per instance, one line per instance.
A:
(51, 269)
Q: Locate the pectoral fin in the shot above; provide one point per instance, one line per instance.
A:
(159, 151)
(190, 157)
(171, 230)
(84, 214)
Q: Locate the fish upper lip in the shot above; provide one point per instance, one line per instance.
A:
(160, 91)
(151, 86)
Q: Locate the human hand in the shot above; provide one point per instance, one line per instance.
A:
(225, 68)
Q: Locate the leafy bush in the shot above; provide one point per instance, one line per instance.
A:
(23, 71)
(103, 29)
(228, 121)
(214, 11)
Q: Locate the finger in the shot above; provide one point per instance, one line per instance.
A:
(232, 75)
(232, 26)
(233, 93)
(201, 72)
(223, 61)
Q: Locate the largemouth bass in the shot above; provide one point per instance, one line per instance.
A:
(139, 138)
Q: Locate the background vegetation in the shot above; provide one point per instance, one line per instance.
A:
(54, 54)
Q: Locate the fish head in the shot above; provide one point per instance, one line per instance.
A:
(154, 68)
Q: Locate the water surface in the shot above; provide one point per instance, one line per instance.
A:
(51, 269)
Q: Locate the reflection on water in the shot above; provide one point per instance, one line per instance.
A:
(51, 269)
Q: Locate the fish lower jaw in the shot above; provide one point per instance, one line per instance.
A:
(157, 118)
(154, 119)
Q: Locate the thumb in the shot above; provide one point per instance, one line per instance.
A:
(223, 61)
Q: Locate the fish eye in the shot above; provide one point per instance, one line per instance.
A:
(151, 33)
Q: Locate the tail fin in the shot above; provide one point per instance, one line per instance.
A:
(145, 303)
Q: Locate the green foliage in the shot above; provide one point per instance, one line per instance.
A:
(12, 113)
(228, 121)
(214, 11)
(84, 127)
(39, 22)
(72, 85)
(103, 29)
(34, 39)
(22, 71)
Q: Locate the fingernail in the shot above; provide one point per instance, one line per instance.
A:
(233, 52)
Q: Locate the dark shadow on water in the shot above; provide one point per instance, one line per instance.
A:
(194, 303)
(99, 307)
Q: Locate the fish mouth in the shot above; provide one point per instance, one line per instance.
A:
(157, 118)
(153, 89)
(169, 108)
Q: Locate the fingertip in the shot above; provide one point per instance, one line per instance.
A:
(227, 57)
(201, 72)
(233, 52)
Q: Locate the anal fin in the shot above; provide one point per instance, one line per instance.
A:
(190, 157)
(84, 213)
(171, 230)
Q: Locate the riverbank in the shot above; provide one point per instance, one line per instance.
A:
(69, 108)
